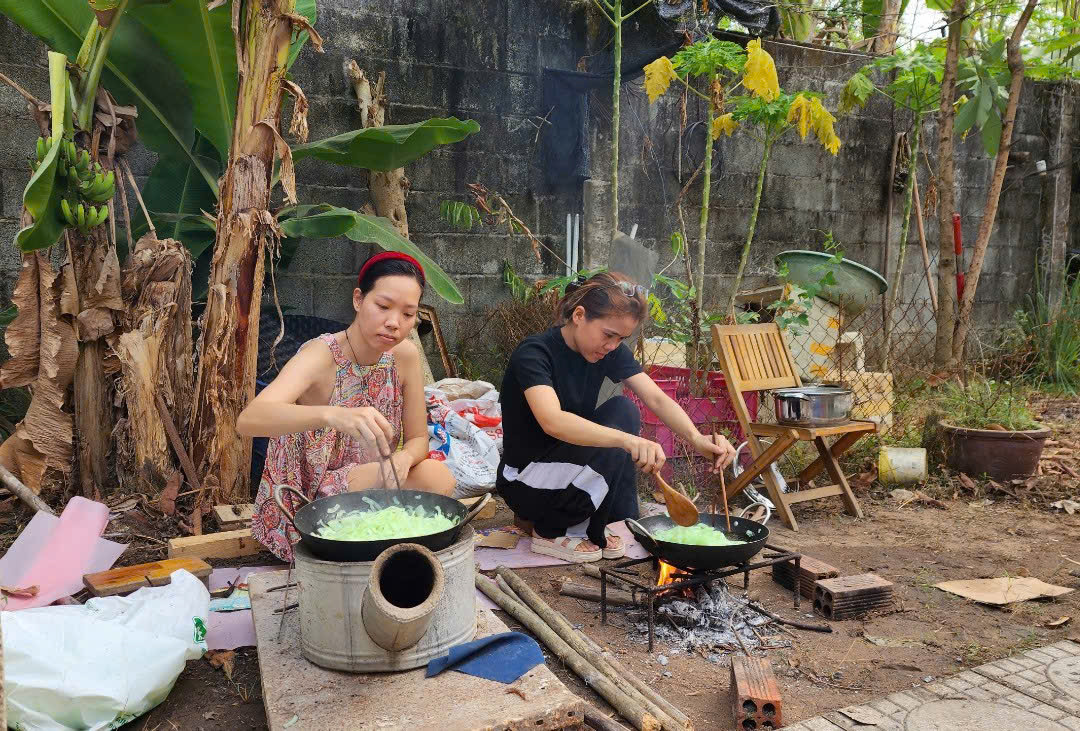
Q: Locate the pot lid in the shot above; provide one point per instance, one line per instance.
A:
(811, 391)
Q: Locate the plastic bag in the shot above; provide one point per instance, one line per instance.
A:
(101, 664)
(466, 434)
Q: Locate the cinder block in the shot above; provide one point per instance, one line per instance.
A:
(848, 596)
(756, 702)
(810, 571)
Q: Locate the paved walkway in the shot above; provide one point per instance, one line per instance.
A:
(1036, 691)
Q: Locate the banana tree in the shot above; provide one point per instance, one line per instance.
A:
(202, 122)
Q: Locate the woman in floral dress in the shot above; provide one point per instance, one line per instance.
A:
(343, 404)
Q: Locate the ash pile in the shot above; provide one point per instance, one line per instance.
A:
(713, 625)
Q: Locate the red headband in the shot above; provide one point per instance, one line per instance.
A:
(383, 256)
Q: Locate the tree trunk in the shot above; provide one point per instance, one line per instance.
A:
(745, 256)
(905, 230)
(388, 189)
(155, 358)
(993, 196)
(885, 42)
(96, 295)
(615, 89)
(946, 290)
(229, 332)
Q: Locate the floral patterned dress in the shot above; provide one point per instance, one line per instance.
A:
(317, 462)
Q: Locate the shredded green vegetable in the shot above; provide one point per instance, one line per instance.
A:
(699, 534)
(382, 523)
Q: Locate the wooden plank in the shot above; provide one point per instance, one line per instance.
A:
(227, 544)
(838, 447)
(489, 510)
(813, 494)
(129, 578)
(451, 701)
(808, 434)
(231, 517)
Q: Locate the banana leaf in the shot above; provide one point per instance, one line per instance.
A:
(42, 199)
(389, 147)
(326, 221)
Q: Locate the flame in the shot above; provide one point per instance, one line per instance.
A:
(668, 574)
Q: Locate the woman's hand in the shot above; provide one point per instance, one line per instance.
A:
(364, 423)
(648, 456)
(717, 447)
(401, 463)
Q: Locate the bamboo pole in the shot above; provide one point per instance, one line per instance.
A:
(575, 639)
(24, 493)
(630, 709)
(597, 721)
(922, 245)
(592, 594)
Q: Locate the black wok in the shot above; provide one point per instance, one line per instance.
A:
(308, 519)
(687, 557)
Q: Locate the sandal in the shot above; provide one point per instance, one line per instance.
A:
(565, 548)
(614, 551)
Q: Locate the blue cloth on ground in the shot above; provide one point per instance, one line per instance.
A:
(503, 657)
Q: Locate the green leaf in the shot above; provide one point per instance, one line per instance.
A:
(677, 243)
(459, 215)
(984, 103)
(389, 147)
(857, 90)
(41, 198)
(205, 56)
(991, 134)
(965, 117)
(319, 221)
(136, 71)
(307, 9)
(871, 17)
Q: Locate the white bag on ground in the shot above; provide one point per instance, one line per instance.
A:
(466, 434)
(99, 665)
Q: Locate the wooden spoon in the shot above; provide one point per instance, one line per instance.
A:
(679, 507)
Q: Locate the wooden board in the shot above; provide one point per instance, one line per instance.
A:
(231, 517)
(489, 510)
(129, 578)
(332, 700)
(227, 544)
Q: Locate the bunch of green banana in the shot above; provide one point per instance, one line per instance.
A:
(83, 217)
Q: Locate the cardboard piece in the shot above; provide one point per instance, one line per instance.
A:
(1003, 590)
(498, 539)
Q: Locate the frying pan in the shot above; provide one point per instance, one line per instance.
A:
(687, 557)
(307, 519)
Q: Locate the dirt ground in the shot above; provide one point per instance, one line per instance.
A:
(969, 533)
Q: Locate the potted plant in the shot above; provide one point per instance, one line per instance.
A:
(989, 429)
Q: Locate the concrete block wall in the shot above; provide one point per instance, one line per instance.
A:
(483, 61)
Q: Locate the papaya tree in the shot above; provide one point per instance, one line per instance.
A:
(209, 103)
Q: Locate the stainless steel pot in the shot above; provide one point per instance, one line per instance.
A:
(813, 405)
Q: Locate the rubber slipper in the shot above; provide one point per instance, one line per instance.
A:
(565, 548)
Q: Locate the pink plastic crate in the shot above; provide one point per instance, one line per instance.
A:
(714, 408)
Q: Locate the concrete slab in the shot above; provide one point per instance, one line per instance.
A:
(1065, 674)
(299, 695)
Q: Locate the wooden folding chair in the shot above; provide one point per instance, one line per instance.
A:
(755, 358)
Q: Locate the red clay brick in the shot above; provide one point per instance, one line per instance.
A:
(756, 702)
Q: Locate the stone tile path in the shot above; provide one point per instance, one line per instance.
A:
(1036, 691)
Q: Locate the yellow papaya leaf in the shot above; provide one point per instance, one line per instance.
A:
(724, 123)
(800, 113)
(822, 122)
(658, 75)
(760, 74)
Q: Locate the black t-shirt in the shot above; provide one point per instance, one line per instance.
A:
(546, 360)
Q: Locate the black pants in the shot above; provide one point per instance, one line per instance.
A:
(577, 491)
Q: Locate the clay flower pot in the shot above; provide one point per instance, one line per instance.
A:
(1003, 455)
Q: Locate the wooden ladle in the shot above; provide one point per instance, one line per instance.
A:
(679, 507)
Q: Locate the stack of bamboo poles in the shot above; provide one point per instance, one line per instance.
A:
(639, 704)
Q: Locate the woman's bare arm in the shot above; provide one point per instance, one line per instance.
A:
(275, 411)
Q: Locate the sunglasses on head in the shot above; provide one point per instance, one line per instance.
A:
(630, 289)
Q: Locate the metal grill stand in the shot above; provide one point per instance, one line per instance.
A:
(650, 591)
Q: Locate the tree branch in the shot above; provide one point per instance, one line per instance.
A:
(605, 13)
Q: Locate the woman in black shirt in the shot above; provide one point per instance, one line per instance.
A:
(568, 465)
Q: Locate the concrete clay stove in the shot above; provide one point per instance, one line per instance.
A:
(398, 612)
